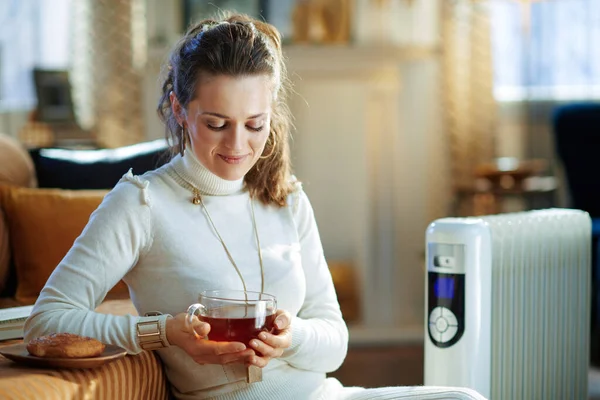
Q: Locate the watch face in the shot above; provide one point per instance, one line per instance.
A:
(152, 314)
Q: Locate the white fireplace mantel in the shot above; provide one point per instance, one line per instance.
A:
(351, 153)
(351, 58)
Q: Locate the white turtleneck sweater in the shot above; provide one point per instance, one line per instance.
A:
(148, 232)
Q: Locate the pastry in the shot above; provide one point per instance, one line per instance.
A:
(65, 345)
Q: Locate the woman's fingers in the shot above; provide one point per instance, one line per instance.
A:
(197, 328)
(222, 348)
(258, 361)
(210, 352)
(282, 319)
(280, 341)
(200, 329)
(264, 349)
(268, 345)
(192, 337)
(231, 358)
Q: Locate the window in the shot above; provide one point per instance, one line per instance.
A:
(33, 33)
(546, 49)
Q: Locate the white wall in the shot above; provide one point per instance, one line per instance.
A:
(423, 194)
(343, 150)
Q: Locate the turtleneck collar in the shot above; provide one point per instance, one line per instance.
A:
(193, 172)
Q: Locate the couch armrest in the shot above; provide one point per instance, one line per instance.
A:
(134, 377)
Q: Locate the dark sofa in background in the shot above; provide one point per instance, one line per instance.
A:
(95, 169)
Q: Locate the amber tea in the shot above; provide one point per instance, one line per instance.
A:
(235, 316)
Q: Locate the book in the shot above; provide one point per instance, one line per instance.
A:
(12, 321)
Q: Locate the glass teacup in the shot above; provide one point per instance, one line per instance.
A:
(234, 315)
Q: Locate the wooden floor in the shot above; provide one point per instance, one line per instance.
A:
(377, 366)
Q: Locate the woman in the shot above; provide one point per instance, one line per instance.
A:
(223, 213)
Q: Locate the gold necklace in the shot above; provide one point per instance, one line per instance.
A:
(253, 373)
(197, 200)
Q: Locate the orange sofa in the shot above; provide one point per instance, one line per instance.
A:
(37, 227)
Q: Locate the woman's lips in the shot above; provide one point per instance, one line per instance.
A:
(232, 159)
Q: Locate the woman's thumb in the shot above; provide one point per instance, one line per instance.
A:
(200, 328)
(196, 327)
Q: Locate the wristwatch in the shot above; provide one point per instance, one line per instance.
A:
(152, 331)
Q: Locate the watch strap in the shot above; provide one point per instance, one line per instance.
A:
(151, 332)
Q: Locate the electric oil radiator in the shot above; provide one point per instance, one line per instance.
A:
(508, 304)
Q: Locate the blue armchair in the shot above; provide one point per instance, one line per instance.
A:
(577, 140)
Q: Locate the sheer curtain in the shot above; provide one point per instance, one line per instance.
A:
(33, 33)
(545, 53)
(546, 50)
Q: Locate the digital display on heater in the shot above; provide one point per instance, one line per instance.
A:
(443, 287)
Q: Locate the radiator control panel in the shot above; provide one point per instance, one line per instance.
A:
(458, 307)
(446, 293)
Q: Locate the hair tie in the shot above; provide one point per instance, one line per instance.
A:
(194, 43)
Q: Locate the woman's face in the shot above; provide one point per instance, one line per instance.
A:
(228, 123)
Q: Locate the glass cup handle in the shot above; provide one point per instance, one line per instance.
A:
(191, 312)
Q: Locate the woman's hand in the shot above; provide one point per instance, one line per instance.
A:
(272, 345)
(201, 350)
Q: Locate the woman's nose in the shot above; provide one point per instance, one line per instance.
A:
(235, 139)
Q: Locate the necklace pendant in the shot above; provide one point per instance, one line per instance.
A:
(196, 200)
(253, 374)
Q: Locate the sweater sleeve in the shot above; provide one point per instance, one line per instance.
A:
(117, 233)
(319, 334)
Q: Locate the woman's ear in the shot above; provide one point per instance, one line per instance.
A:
(177, 108)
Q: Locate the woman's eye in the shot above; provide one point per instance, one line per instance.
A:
(255, 128)
(215, 126)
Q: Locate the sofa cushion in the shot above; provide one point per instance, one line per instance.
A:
(8, 302)
(16, 168)
(4, 252)
(43, 224)
(95, 169)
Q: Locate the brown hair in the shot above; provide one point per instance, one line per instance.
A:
(235, 45)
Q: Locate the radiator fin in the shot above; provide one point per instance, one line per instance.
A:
(540, 304)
